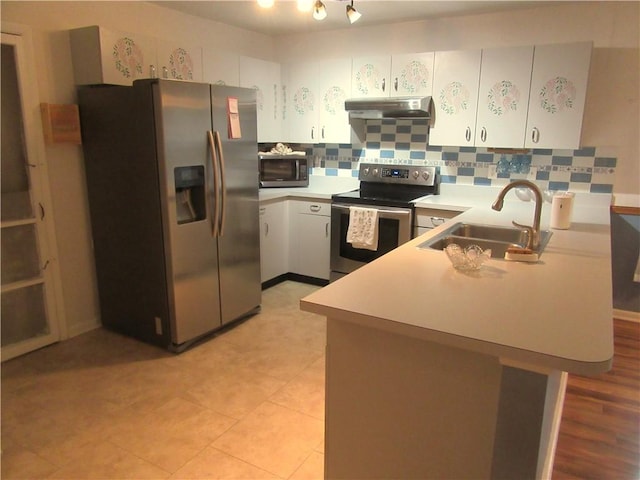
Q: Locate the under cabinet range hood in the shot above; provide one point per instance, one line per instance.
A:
(390, 107)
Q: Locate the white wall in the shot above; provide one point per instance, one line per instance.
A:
(612, 112)
(50, 22)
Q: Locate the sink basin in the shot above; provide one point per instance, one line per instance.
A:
(491, 232)
(497, 238)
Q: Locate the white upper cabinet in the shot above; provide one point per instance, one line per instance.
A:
(370, 77)
(264, 77)
(220, 67)
(392, 76)
(456, 79)
(102, 56)
(334, 85)
(300, 82)
(505, 79)
(412, 74)
(177, 61)
(314, 99)
(558, 91)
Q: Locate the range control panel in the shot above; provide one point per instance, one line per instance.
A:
(398, 174)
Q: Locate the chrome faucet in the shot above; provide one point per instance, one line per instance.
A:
(533, 241)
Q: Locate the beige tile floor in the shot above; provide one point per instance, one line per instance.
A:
(247, 404)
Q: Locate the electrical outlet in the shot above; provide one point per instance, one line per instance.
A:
(531, 176)
(493, 172)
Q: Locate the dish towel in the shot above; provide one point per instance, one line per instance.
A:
(363, 228)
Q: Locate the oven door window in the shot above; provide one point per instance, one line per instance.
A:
(278, 169)
(388, 235)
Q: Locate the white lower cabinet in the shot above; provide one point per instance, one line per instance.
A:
(430, 218)
(310, 238)
(274, 239)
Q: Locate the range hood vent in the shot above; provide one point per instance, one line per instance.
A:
(390, 107)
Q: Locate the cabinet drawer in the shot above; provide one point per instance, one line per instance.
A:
(433, 217)
(314, 208)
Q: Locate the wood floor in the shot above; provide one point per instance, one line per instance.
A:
(600, 428)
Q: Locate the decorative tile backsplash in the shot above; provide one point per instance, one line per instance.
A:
(590, 169)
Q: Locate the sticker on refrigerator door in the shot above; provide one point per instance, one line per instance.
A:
(234, 118)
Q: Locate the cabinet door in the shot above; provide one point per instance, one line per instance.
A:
(264, 77)
(274, 242)
(334, 85)
(370, 77)
(558, 91)
(301, 106)
(412, 74)
(310, 238)
(456, 78)
(177, 61)
(111, 57)
(505, 79)
(220, 68)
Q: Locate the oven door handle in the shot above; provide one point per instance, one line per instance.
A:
(400, 213)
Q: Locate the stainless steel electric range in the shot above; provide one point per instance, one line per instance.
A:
(391, 190)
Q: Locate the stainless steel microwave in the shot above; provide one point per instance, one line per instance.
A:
(283, 170)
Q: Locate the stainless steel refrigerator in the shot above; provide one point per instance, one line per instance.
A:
(172, 181)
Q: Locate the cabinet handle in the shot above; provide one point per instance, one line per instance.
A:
(395, 84)
(437, 221)
(384, 84)
(313, 133)
(322, 132)
(326, 230)
(467, 134)
(314, 208)
(535, 135)
(483, 134)
(263, 210)
(266, 229)
(152, 71)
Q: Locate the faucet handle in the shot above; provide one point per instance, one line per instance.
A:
(530, 234)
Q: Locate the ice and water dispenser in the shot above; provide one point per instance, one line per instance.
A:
(190, 194)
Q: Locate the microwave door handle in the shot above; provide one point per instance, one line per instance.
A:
(223, 184)
(297, 169)
(213, 208)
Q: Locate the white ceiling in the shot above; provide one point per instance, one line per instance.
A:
(284, 17)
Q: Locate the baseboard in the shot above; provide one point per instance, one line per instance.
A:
(626, 315)
(84, 327)
(296, 277)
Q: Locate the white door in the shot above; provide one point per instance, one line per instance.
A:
(301, 112)
(456, 78)
(334, 85)
(264, 77)
(371, 77)
(29, 295)
(558, 91)
(412, 74)
(505, 79)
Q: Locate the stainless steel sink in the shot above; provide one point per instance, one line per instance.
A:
(497, 238)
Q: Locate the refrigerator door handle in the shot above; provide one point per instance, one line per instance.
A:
(223, 183)
(213, 207)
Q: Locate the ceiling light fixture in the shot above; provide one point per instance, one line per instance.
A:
(352, 13)
(319, 10)
(265, 3)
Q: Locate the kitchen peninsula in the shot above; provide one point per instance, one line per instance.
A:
(435, 373)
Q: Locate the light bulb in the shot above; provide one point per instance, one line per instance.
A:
(305, 5)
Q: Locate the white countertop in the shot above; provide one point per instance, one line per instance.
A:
(555, 314)
(320, 188)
